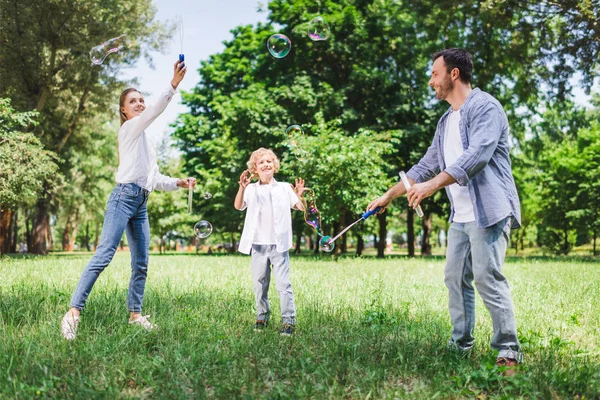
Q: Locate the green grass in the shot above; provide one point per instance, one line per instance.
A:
(367, 328)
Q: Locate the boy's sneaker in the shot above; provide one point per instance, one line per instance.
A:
(143, 322)
(508, 366)
(287, 330)
(69, 326)
(260, 325)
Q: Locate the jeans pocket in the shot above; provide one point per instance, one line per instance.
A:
(130, 191)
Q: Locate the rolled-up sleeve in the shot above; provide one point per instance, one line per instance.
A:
(485, 130)
(429, 165)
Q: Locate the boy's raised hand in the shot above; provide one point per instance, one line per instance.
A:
(245, 179)
(299, 189)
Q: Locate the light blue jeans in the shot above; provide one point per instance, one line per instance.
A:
(477, 255)
(265, 257)
(125, 211)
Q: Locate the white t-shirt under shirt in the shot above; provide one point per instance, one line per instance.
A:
(266, 233)
(463, 206)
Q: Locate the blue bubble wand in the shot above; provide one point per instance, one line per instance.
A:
(362, 218)
(181, 56)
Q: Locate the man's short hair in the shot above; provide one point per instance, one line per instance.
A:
(457, 58)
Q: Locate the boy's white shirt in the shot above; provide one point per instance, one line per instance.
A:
(283, 199)
(137, 157)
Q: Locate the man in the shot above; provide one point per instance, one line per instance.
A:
(471, 149)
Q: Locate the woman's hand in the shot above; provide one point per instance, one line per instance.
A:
(186, 183)
(178, 73)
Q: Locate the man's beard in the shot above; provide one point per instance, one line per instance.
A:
(445, 88)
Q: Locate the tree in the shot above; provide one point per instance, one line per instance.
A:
(44, 66)
(25, 166)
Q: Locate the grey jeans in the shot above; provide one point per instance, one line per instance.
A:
(477, 255)
(265, 258)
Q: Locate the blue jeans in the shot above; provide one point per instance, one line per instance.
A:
(265, 256)
(477, 255)
(125, 211)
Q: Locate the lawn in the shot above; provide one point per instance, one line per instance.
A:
(367, 328)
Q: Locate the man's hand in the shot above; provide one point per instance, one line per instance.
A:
(419, 192)
(383, 202)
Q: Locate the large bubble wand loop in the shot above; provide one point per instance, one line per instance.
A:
(312, 217)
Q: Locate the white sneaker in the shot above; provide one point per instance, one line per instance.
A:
(143, 321)
(69, 326)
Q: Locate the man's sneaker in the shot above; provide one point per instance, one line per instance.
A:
(508, 366)
(287, 330)
(260, 325)
(143, 321)
(69, 326)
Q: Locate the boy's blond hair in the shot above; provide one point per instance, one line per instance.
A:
(254, 159)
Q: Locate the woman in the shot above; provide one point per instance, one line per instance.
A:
(136, 177)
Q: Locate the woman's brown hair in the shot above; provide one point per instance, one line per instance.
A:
(122, 103)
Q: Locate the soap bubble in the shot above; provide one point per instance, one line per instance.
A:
(208, 195)
(279, 45)
(203, 229)
(99, 53)
(300, 153)
(293, 131)
(325, 244)
(312, 216)
(318, 29)
(295, 134)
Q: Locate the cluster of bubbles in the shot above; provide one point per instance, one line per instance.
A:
(280, 45)
(99, 53)
(312, 216)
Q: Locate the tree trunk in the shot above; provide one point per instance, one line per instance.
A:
(317, 247)
(66, 236)
(41, 227)
(360, 245)
(27, 228)
(5, 218)
(311, 243)
(298, 242)
(343, 241)
(594, 245)
(87, 237)
(426, 222)
(382, 234)
(97, 238)
(410, 219)
(14, 229)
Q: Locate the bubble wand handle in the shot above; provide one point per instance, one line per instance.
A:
(418, 209)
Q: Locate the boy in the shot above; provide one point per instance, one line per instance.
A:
(267, 234)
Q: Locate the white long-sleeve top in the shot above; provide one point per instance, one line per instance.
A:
(137, 157)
